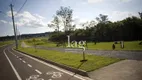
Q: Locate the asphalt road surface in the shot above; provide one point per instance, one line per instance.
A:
(17, 66)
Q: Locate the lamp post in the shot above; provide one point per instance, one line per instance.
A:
(16, 41)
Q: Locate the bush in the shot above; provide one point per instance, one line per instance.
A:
(140, 43)
(58, 37)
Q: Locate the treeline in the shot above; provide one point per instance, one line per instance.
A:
(24, 36)
(128, 29)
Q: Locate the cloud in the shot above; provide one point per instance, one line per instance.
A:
(94, 1)
(120, 15)
(3, 21)
(79, 21)
(9, 13)
(26, 19)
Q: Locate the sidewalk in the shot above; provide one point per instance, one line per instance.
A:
(123, 70)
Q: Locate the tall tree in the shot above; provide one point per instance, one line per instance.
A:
(88, 24)
(102, 18)
(65, 14)
(85, 25)
(55, 24)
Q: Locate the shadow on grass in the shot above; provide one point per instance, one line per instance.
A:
(76, 72)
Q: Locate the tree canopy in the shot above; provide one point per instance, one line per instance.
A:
(127, 29)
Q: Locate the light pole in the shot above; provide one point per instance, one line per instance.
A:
(16, 42)
(18, 33)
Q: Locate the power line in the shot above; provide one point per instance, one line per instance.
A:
(21, 7)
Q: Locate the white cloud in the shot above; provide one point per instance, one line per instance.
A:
(120, 15)
(79, 21)
(26, 19)
(9, 13)
(94, 1)
(3, 21)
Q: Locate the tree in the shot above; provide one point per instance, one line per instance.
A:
(88, 24)
(140, 13)
(65, 14)
(102, 18)
(55, 24)
(85, 25)
(92, 23)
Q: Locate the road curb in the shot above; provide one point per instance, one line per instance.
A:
(75, 71)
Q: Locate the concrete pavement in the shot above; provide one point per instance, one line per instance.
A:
(123, 70)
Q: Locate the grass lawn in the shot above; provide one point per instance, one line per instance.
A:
(73, 60)
(3, 43)
(40, 42)
(128, 45)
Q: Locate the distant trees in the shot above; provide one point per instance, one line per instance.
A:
(105, 30)
(88, 24)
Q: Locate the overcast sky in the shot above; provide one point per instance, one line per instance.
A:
(35, 15)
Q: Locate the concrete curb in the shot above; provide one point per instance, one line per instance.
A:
(76, 71)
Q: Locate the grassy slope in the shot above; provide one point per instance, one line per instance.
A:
(40, 42)
(73, 60)
(5, 43)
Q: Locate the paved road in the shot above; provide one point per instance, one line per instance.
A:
(6, 72)
(17, 66)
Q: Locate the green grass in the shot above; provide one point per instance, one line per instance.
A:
(40, 42)
(128, 45)
(73, 60)
(3, 43)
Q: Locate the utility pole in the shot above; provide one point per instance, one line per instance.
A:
(16, 42)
